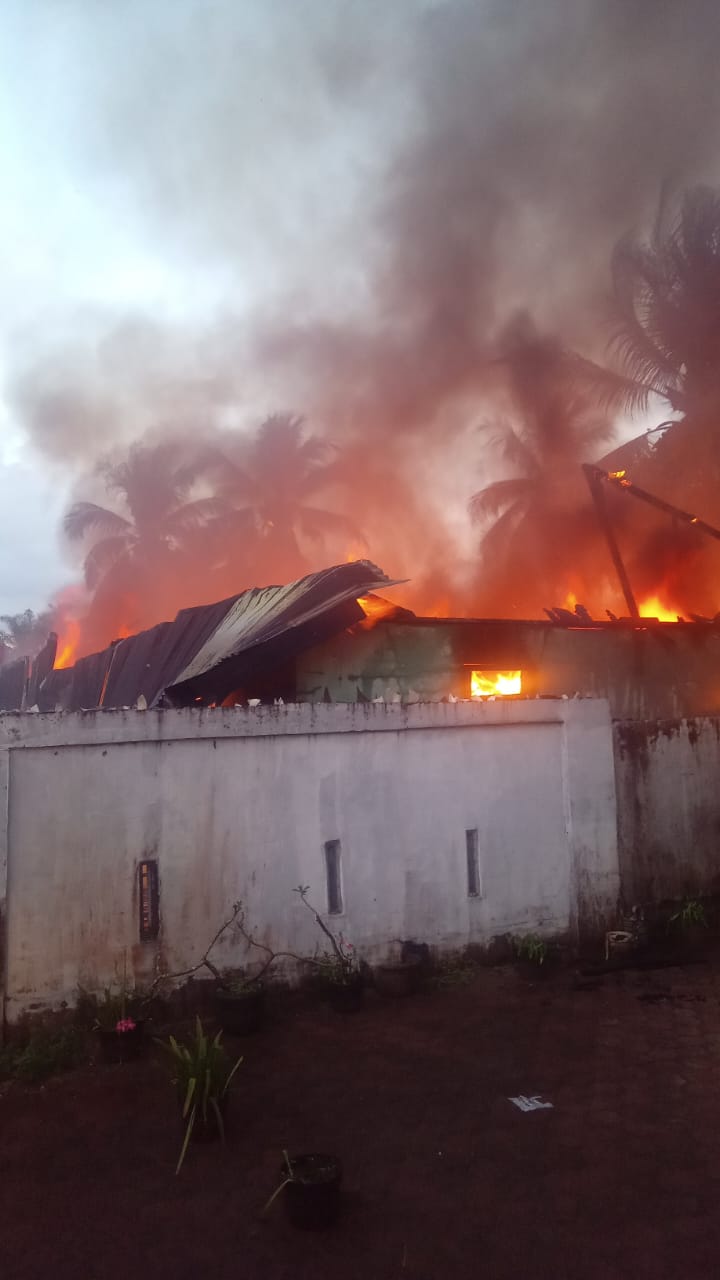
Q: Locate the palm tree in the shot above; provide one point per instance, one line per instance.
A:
(667, 305)
(273, 483)
(157, 519)
(667, 309)
(541, 510)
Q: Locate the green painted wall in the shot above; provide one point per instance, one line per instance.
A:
(665, 670)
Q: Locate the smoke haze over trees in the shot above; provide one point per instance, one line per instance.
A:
(343, 210)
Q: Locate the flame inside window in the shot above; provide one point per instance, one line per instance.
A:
(495, 684)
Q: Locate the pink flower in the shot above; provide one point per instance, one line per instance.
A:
(125, 1024)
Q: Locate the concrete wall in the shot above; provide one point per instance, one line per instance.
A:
(238, 804)
(668, 789)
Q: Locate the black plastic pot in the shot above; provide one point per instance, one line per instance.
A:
(347, 997)
(206, 1129)
(312, 1198)
(398, 979)
(240, 1015)
(122, 1046)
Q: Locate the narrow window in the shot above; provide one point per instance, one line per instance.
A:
(332, 876)
(473, 865)
(149, 900)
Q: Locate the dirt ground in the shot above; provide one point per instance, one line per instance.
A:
(444, 1177)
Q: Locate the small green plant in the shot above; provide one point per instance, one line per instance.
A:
(531, 948)
(239, 986)
(290, 1178)
(44, 1054)
(202, 1079)
(690, 914)
(338, 970)
(116, 1011)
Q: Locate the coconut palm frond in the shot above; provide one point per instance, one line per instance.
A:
(103, 556)
(611, 391)
(85, 518)
(496, 544)
(192, 516)
(497, 497)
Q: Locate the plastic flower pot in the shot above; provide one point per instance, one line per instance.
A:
(206, 1128)
(240, 1014)
(122, 1046)
(347, 997)
(397, 980)
(312, 1195)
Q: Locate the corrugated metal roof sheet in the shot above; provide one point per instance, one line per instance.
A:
(199, 639)
(13, 678)
(261, 614)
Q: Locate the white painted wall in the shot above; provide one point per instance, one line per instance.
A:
(238, 804)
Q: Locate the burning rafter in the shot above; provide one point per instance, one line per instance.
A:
(595, 476)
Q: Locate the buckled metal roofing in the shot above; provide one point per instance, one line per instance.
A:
(242, 633)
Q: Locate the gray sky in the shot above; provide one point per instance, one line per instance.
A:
(163, 165)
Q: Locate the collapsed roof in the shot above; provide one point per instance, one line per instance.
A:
(210, 651)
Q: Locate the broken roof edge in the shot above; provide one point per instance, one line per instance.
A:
(262, 614)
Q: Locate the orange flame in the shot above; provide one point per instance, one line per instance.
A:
(494, 684)
(67, 646)
(375, 607)
(654, 608)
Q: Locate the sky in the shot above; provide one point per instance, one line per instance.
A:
(213, 210)
(119, 225)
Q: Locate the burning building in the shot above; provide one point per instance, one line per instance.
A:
(330, 637)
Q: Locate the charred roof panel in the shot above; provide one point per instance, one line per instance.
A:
(201, 639)
(262, 614)
(13, 677)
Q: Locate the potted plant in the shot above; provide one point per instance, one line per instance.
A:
(240, 1005)
(339, 969)
(689, 927)
(202, 1077)
(311, 1187)
(120, 1031)
(532, 953)
(342, 978)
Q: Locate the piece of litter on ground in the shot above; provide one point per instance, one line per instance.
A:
(534, 1103)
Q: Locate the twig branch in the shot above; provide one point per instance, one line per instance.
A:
(204, 962)
(302, 891)
(261, 946)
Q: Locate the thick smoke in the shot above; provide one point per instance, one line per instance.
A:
(541, 133)
(377, 190)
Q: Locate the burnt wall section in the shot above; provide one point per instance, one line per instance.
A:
(667, 779)
(663, 670)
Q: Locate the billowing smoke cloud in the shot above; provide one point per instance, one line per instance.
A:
(368, 193)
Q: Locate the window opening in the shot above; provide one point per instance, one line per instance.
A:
(473, 864)
(149, 900)
(332, 876)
